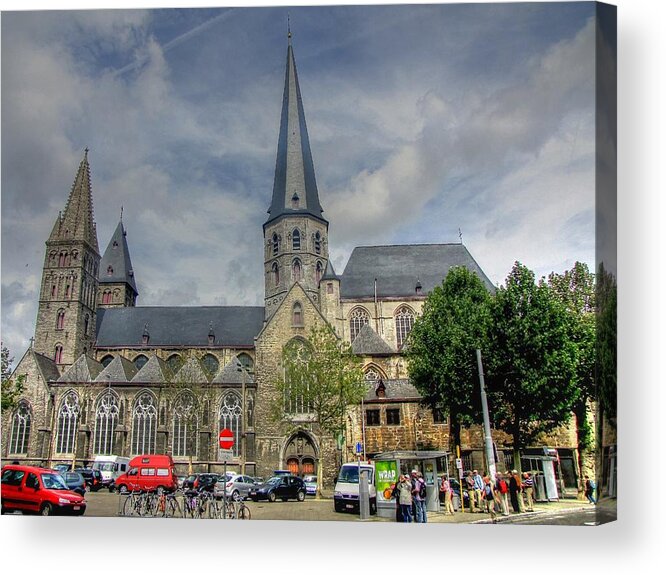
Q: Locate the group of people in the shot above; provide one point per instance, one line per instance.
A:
(493, 497)
(410, 495)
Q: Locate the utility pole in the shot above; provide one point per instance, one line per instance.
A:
(487, 437)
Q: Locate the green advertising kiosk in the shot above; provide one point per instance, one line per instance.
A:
(391, 464)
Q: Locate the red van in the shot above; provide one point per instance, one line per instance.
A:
(148, 473)
(38, 490)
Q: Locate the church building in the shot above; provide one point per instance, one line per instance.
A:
(105, 375)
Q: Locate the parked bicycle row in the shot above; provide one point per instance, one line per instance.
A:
(190, 504)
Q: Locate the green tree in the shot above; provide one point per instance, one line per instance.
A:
(532, 360)
(322, 377)
(442, 348)
(575, 289)
(606, 344)
(11, 387)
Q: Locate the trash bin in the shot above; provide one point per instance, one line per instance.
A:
(456, 502)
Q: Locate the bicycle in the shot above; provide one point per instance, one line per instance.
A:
(236, 509)
(134, 505)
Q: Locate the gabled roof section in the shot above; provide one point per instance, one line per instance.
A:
(368, 342)
(116, 265)
(84, 369)
(191, 372)
(77, 222)
(394, 389)
(234, 326)
(47, 367)
(119, 369)
(295, 186)
(398, 269)
(232, 373)
(155, 370)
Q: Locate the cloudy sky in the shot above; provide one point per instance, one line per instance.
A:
(423, 120)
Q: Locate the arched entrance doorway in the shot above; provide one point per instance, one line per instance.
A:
(300, 455)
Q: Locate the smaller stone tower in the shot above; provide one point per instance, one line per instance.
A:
(117, 287)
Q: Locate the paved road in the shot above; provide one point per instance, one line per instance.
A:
(586, 517)
(104, 504)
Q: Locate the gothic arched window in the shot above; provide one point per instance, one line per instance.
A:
(86, 324)
(106, 360)
(68, 418)
(60, 319)
(296, 240)
(175, 362)
(317, 243)
(319, 271)
(107, 412)
(185, 425)
(140, 361)
(357, 319)
(144, 424)
(297, 354)
(246, 361)
(231, 414)
(57, 356)
(20, 434)
(276, 274)
(404, 321)
(276, 244)
(106, 296)
(210, 363)
(296, 271)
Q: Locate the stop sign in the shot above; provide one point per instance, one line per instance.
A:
(226, 438)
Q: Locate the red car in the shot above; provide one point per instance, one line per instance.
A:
(38, 490)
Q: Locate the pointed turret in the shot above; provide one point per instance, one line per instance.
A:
(116, 275)
(77, 222)
(294, 187)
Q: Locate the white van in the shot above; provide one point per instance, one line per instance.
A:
(110, 466)
(345, 496)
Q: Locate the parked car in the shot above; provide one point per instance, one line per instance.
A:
(93, 478)
(75, 481)
(62, 467)
(238, 486)
(310, 484)
(279, 487)
(38, 490)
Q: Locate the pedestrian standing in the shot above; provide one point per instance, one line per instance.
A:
(478, 489)
(502, 492)
(489, 497)
(469, 486)
(395, 494)
(514, 490)
(419, 493)
(448, 495)
(528, 489)
(590, 486)
(405, 497)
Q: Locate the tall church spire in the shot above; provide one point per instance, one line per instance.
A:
(77, 221)
(117, 286)
(294, 187)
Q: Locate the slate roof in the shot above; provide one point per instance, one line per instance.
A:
(329, 274)
(117, 258)
(190, 372)
(179, 326)
(395, 389)
(294, 168)
(230, 374)
(155, 370)
(368, 342)
(83, 369)
(398, 269)
(46, 366)
(119, 369)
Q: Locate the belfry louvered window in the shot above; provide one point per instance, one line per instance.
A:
(68, 419)
(106, 420)
(296, 240)
(144, 424)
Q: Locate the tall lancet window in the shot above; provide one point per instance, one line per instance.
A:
(275, 271)
(276, 244)
(144, 424)
(231, 414)
(296, 240)
(296, 271)
(106, 420)
(68, 418)
(18, 442)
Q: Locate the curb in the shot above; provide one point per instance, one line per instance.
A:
(505, 518)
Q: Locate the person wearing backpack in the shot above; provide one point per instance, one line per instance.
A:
(488, 495)
(589, 490)
(419, 496)
(502, 491)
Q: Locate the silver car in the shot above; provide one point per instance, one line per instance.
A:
(238, 487)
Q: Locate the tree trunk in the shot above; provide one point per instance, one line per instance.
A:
(320, 478)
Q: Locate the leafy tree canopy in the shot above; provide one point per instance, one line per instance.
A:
(11, 387)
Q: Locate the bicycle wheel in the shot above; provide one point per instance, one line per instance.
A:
(171, 508)
(128, 507)
(244, 512)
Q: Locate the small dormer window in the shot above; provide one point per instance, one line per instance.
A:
(109, 271)
(115, 244)
(211, 335)
(418, 287)
(380, 390)
(294, 201)
(145, 338)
